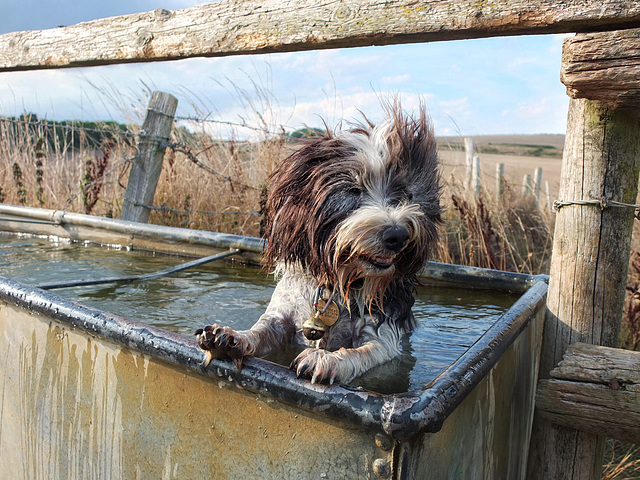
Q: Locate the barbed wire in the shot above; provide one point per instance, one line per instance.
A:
(52, 124)
(603, 203)
(223, 122)
(186, 150)
(125, 162)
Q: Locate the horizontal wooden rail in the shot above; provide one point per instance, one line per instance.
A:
(603, 66)
(234, 27)
(594, 389)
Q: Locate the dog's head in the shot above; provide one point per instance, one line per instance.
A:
(359, 207)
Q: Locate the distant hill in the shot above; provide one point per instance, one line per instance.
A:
(539, 145)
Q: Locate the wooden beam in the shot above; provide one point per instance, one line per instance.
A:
(588, 267)
(234, 27)
(594, 389)
(604, 67)
(147, 164)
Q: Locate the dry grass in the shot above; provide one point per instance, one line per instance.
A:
(227, 200)
(40, 169)
(224, 191)
(508, 232)
(621, 462)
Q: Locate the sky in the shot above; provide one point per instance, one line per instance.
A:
(503, 85)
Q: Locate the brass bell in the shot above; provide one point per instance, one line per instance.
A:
(314, 328)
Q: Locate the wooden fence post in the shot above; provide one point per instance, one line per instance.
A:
(527, 184)
(548, 194)
(500, 180)
(147, 164)
(592, 241)
(476, 181)
(588, 268)
(468, 148)
(537, 184)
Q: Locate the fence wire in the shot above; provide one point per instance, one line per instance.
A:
(52, 130)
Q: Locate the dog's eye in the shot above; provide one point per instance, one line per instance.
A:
(409, 196)
(354, 191)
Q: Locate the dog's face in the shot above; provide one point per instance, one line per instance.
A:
(358, 208)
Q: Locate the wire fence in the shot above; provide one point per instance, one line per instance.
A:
(90, 163)
(229, 179)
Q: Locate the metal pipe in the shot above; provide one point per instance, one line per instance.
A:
(137, 278)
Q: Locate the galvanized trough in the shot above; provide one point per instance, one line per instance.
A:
(89, 394)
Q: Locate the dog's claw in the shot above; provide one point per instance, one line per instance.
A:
(322, 366)
(207, 359)
(222, 342)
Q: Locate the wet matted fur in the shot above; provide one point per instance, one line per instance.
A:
(352, 217)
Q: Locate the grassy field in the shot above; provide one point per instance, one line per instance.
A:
(518, 153)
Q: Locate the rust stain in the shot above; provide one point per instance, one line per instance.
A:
(115, 413)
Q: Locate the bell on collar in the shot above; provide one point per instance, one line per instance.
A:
(314, 328)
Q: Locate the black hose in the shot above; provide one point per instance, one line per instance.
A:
(136, 278)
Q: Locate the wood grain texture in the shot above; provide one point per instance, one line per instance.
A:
(597, 364)
(594, 389)
(147, 164)
(249, 26)
(588, 267)
(603, 66)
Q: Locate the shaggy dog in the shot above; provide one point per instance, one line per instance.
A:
(352, 217)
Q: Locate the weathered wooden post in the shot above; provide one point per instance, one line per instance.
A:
(537, 183)
(147, 164)
(592, 234)
(546, 192)
(500, 180)
(527, 184)
(476, 181)
(468, 149)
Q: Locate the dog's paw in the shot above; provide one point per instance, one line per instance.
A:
(222, 342)
(324, 366)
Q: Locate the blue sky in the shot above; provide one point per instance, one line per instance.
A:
(505, 85)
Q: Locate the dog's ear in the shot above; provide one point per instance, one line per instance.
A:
(298, 206)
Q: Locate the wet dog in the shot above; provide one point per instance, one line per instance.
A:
(352, 217)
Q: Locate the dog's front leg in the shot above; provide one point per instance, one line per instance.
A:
(345, 364)
(267, 335)
(275, 329)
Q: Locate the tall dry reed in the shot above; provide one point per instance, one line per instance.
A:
(60, 166)
(508, 232)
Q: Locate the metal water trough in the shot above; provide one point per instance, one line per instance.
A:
(89, 394)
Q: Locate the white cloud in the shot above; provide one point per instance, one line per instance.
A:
(395, 80)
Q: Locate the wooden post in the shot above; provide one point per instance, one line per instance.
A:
(527, 184)
(591, 242)
(548, 194)
(500, 180)
(147, 164)
(588, 268)
(468, 148)
(537, 184)
(476, 181)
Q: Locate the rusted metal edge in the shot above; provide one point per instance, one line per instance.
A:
(402, 419)
(399, 415)
(475, 277)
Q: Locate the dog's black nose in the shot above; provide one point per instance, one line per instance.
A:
(395, 238)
